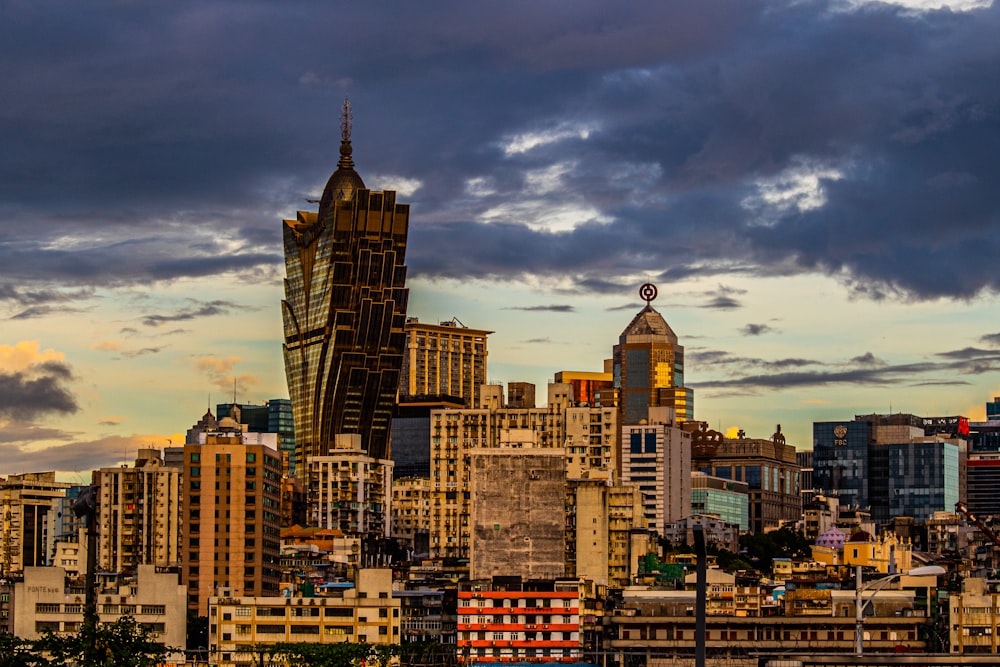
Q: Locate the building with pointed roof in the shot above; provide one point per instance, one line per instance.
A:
(344, 311)
(649, 369)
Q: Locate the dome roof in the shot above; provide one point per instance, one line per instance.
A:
(832, 538)
(344, 182)
(649, 322)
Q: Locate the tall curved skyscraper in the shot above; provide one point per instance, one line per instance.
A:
(344, 312)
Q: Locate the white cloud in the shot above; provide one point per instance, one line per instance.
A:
(404, 187)
(526, 141)
(800, 186)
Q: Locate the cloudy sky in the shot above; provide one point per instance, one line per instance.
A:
(814, 187)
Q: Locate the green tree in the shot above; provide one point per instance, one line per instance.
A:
(342, 654)
(17, 652)
(123, 643)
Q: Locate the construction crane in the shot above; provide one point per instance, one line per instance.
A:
(962, 509)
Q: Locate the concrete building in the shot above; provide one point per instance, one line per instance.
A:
(767, 467)
(231, 512)
(659, 624)
(28, 505)
(366, 612)
(139, 514)
(510, 620)
(656, 457)
(717, 531)
(517, 500)
(606, 534)
(443, 359)
(454, 433)
(350, 490)
(47, 601)
(974, 618)
(344, 311)
(411, 512)
(520, 395)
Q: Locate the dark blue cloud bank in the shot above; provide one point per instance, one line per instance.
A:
(150, 141)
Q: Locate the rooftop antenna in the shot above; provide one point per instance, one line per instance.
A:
(234, 389)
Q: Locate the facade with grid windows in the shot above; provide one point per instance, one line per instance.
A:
(443, 359)
(231, 510)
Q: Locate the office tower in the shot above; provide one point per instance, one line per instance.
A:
(411, 433)
(139, 513)
(649, 368)
(518, 495)
(725, 498)
(27, 510)
(349, 490)
(895, 465)
(344, 311)
(656, 457)
(767, 466)
(446, 359)
(230, 509)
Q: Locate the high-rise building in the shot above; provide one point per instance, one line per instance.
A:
(139, 513)
(767, 467)
(585, 437)
(349, 490)
(344, 311)
(443, 359)
(649, 368)
(894, 465)
(27, 510)
(272, 416)
(518, 499)
(231, 503)
(656, 457)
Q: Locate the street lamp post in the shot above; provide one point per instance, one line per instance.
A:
(875, 587)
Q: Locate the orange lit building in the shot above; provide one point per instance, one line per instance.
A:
(508, 620)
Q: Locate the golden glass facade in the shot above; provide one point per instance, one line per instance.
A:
(344, 312)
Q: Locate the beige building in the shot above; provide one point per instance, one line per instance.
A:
(517, 525)
(561, 424)
(47, 601)
(411, 509)
(656, 457)
(139, 514)
(366, 613)
(27, 514)
(974, 618)
(447, 358)
(231, 505)
(605, 535)
(349, 490)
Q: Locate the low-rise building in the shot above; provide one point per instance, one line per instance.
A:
(366, 612)
(510, 620)
(47, 601)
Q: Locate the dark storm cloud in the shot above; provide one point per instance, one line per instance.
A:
(756, 329)
(154, 141)
(203, 310)
(554, 308)
(991, 339)
(747, 373)
(38, 390)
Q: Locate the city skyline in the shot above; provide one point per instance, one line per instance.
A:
(811, 186)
